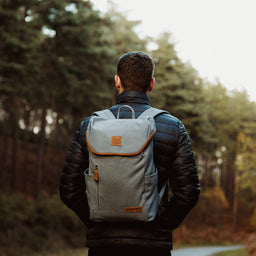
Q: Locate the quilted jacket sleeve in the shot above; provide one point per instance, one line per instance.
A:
(183, 181)
(72, 185)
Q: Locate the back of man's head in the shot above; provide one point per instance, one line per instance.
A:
(136, 70)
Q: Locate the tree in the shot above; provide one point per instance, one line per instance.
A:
(244, 171)
(120, 33)
(230, 114)
(178, 87)
(217, 116)
(17, 48)
(74, 64)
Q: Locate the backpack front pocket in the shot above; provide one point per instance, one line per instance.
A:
(92, 182)
(151, 194)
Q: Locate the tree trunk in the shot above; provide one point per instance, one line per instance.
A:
(235, 174)
(26, 147)
(15, 138)
(235, 202)
(206, 174)
(41, 151)
(231, 172)
(236, 187)
(224, 177)
(57, 135)
(5, 148)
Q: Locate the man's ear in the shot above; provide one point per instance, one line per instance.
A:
(151, 86)
(118, 84)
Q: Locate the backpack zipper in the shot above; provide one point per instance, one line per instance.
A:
(96, 178)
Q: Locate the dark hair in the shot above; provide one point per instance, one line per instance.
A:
(135, 70)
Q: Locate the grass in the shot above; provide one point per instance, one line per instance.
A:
(239, 252)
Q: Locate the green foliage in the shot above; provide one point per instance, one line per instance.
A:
(178, 89)
(17, 48)
(76, 61)
(45, 224)
(18, 44)
(121, 32)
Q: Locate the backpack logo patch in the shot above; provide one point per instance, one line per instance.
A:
(116, 141)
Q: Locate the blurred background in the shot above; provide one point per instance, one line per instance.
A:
(57, 65)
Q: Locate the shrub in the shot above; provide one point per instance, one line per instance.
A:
(44, 224)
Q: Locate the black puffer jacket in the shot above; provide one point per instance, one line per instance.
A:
(174, 160)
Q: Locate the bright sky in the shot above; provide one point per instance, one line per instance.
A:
(218, 37)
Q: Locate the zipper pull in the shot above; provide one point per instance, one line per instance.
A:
(96, 174)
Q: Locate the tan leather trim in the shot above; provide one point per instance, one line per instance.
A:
(133, 209)
(120, 154)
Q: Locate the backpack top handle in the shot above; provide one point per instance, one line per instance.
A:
(126, 106)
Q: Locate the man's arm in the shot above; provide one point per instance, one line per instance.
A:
(72, 185)
(183, 181)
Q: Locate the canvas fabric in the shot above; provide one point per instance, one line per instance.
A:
(122, 180)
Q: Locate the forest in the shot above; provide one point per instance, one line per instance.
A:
(57, 66)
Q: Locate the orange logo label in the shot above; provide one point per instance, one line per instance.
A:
(116, 141)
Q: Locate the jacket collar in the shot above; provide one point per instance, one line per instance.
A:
(132, 96)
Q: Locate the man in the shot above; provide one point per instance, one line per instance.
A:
(173, 157)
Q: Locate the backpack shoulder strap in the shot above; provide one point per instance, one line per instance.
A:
(152, 112)
(106, 113)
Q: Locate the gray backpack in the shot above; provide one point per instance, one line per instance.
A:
(122, 180)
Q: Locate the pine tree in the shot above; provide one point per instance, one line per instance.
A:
(178, 87)
(17, 45)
